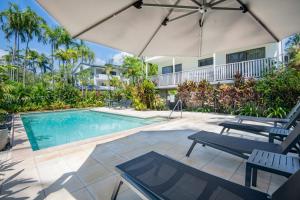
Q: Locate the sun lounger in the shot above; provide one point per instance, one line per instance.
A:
(154, 176)
(126, 104)
(284, 165)
(260, 129)
(243, 147)
(242, 118)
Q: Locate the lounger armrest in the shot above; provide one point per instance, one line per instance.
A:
(262, 119)
(279, 132)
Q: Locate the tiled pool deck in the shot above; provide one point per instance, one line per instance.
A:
(85, 170)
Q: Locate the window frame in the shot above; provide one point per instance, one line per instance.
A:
(206, 62)
(250, 54)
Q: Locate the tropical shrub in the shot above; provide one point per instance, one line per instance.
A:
(271, 96)
(3, 115)
(144, 96)
(280, 88)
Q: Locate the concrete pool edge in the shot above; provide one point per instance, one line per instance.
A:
(21, 141)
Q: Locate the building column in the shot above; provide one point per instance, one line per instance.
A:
(173, 74)
(147, 65)
(214, 65)
(279, 51)
(95, 81)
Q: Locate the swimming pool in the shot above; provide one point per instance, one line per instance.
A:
(56, 128)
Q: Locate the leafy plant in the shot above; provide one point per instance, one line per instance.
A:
(276, 112)
(249, 109)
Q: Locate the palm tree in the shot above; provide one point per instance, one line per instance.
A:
(32, 56)
(12, 25)
(43, 63)
(65, 39)
(85, 54)
(108, 71)
(32, 28)
(84, 78)
(133, 68)
(52, 36)
(67, 57)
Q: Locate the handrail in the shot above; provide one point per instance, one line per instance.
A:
(251, 68)
(177, 104)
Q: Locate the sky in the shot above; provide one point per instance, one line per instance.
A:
(103, 54)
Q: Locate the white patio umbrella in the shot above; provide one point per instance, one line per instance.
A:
(177, 27)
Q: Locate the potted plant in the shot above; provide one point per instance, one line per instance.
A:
(3, 129)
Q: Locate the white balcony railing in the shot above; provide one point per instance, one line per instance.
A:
(219, 73)
(104, 77)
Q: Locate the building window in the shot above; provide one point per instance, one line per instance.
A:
(205, 62)
(251, 54)
(178, 68)
(113, 73)
(169, 69)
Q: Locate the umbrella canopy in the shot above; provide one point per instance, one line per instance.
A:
(177, 27)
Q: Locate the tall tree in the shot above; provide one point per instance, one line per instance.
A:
(133, 68)
(32, 28)
(293, 45)
(65, 39)
(84, 78)
(52, 36)
(108, 71)
(67, 58)
(32, 56)
(43, 63)
(85, 54)
(12, 24)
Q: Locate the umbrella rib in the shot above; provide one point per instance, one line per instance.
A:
(170, 6)
(158, 28)
(216, 3)
(258, 20)
(196, 2)
(225, 8)
(105, 19)
(185, 15)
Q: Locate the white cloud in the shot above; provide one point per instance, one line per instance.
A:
(3, 53)
(99, 61)
(119, 58)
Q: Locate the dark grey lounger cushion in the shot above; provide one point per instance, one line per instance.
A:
(238, 144)
(168, 179)
(246, 127)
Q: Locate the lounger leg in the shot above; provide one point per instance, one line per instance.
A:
(227, 130)
(116, 190)
(254, 177)
(271, 138)
(191, 149)
(222, 131)
(248, 176)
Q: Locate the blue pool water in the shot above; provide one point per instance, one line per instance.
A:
(55, 128)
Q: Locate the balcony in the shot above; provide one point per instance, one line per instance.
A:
(104, 77)
(219, 73)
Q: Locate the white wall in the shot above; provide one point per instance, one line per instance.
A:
(191, 63)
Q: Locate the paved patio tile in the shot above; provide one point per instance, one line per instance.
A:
(87, 171)
(128, 195)
(82, 194)
(103, 189)
(68, 181)
(92, 174)
(22, 184)
(79, 161)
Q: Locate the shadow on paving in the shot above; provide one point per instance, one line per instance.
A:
(64, 182)
(14, 180)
